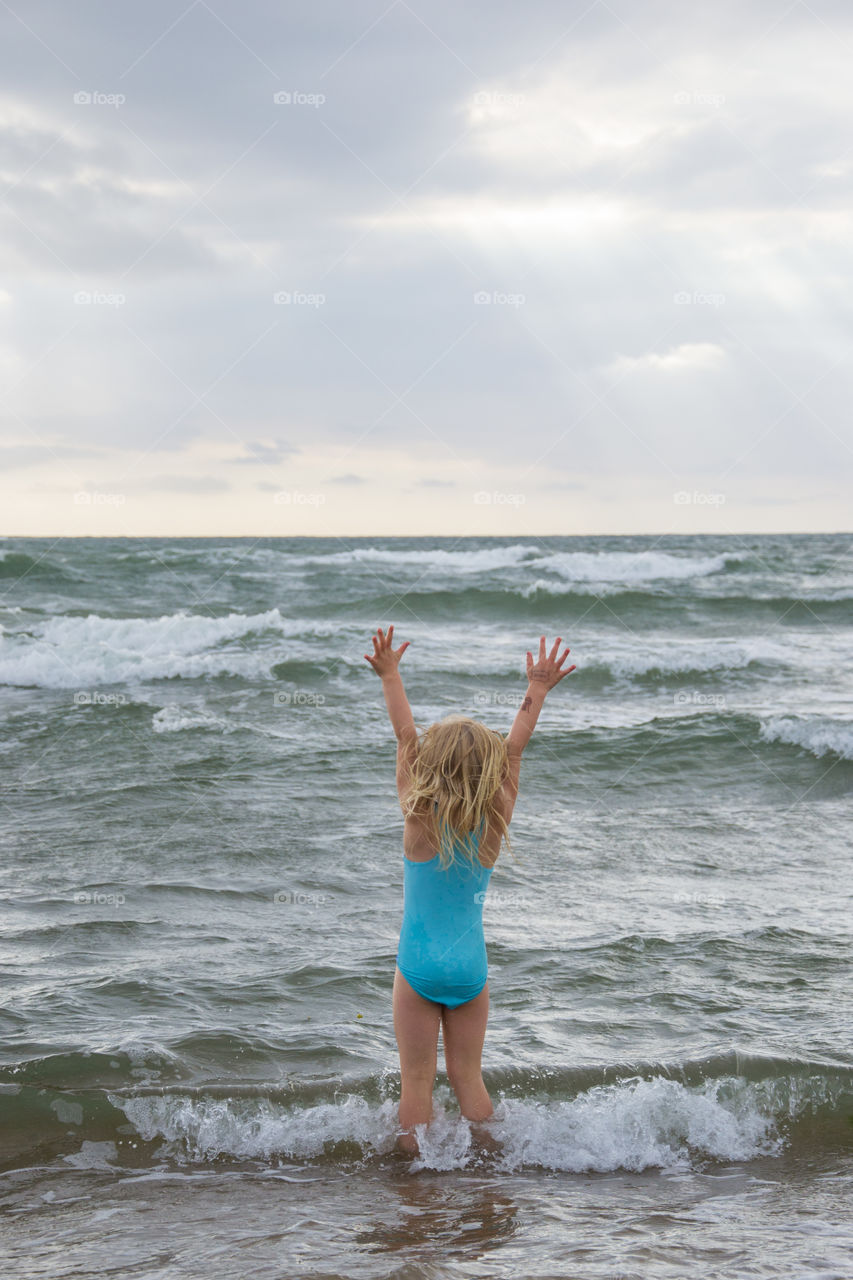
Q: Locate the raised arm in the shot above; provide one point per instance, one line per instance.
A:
(541, 677)
(385, 663)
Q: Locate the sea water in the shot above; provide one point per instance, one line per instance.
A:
(202, 892)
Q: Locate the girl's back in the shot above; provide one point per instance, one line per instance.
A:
(419, 841)
(442, 950)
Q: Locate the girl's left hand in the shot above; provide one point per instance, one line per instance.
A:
(385, 659)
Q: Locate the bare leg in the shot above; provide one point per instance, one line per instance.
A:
(416, 1024)
(464, 1030)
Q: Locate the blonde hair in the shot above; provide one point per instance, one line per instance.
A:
(456, 776)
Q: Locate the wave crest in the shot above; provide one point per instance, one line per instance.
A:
(75, 652)
(632, 1124)
(819, 735)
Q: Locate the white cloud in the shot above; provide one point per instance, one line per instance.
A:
(681, 359)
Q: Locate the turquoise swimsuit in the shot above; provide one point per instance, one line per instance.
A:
(442, 951)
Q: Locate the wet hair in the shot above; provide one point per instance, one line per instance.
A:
(456, 777)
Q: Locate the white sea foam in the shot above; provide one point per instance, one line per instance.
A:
(629, 567)
(172, 719)
(680, 656)
(821, 735)
(85, 652)
(436, 557)
(606, 567)
(175, 718)
(259, 1129)
(634, 1124)
(93, 1155)
(76, 653)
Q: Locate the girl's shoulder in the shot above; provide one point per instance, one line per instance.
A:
(419, 845)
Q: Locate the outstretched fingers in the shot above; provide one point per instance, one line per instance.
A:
(549, 663)
(382, 645)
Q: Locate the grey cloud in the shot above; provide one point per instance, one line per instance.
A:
(178, 484)
(257, 452)
(714, 200)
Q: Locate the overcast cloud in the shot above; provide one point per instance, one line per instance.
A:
(361, 268)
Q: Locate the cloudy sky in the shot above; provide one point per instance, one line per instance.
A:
(402, 267)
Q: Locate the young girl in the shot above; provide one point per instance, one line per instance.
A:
(457, 786)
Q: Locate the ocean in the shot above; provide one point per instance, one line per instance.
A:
(202, 892)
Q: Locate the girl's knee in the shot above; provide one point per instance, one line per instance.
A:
(465, 1078)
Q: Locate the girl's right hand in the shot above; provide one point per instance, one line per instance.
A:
(385, 660)
(546, 672)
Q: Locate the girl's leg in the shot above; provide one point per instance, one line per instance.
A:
(464, 1030)
(416, 1023)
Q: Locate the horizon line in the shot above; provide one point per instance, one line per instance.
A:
(695, 533)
